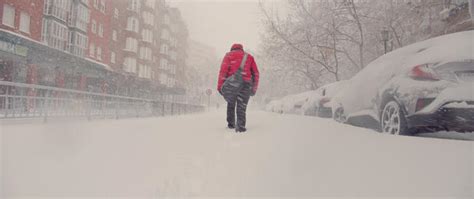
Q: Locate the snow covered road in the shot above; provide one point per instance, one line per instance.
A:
(194, 155)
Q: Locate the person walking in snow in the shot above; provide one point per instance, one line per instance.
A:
(238, 80)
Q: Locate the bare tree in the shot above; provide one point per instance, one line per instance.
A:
(321, 41)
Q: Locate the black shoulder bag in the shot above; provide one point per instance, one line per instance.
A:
(233, 84)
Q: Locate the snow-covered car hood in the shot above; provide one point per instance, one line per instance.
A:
(331, 90)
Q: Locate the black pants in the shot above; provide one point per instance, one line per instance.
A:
(239, 103)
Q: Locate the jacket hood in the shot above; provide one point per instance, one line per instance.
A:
(237, 47)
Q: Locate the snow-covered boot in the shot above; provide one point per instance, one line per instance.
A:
(240, 130)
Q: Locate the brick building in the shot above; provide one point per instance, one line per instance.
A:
(127, 47)
(98, 31)
(19, 16)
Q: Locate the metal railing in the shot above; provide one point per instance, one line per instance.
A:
(19, 100)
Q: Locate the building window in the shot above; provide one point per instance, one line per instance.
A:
(44, 31)
(112, 57)
(163, 78)
(147, 35)
(78, 43)
(102, 6)
(56, 35)
(99, 53)
(175, 42)
(148, 18)
(8, 15)
(130, 65)
(165, 34)
(46, 6)
(91, 50)
(24, 22)
(96, 4)
(131, 44)
(114, 35)
(132, 24)
(145, 53)
(116, 13)
(101, 30)
(82, 18)
(144, 71)
(94, 26)
(163, 64)
(134, 5)
(141, 70)
(57, 8)
(164, 49)
(150, 3)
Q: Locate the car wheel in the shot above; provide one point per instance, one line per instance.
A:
(339, 115)
(393, 120)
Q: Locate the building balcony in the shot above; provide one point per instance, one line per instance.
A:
(132, 12)
(56, 12)
(147, 43)
(130, 53)
(148, 8)
(147, 25)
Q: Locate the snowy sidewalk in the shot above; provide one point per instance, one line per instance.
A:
(194, 155)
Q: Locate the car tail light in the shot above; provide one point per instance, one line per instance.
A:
(324, 101)
(423, 72)
(422, 103)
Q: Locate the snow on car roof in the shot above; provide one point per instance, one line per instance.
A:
(452, 47)
(365, 84)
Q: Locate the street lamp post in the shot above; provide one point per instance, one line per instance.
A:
(385, 35)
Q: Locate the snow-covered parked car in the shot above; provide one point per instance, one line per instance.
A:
(290, 104)
(320, 104)
(426, 85)
(272, 106)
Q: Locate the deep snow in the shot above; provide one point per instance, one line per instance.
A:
(281, 156)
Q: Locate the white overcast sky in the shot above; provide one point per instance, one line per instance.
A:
(220, 23)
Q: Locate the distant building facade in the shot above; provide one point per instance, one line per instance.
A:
(203, 64)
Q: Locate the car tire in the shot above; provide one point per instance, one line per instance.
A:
(339, 115)
(393, 119)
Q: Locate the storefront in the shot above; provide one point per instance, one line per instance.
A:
(13, 62)
(27, 61)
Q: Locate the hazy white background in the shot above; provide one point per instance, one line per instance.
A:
(220, 23)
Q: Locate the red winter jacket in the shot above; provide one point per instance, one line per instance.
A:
(231, 64)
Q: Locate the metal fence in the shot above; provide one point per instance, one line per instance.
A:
(18, 100)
